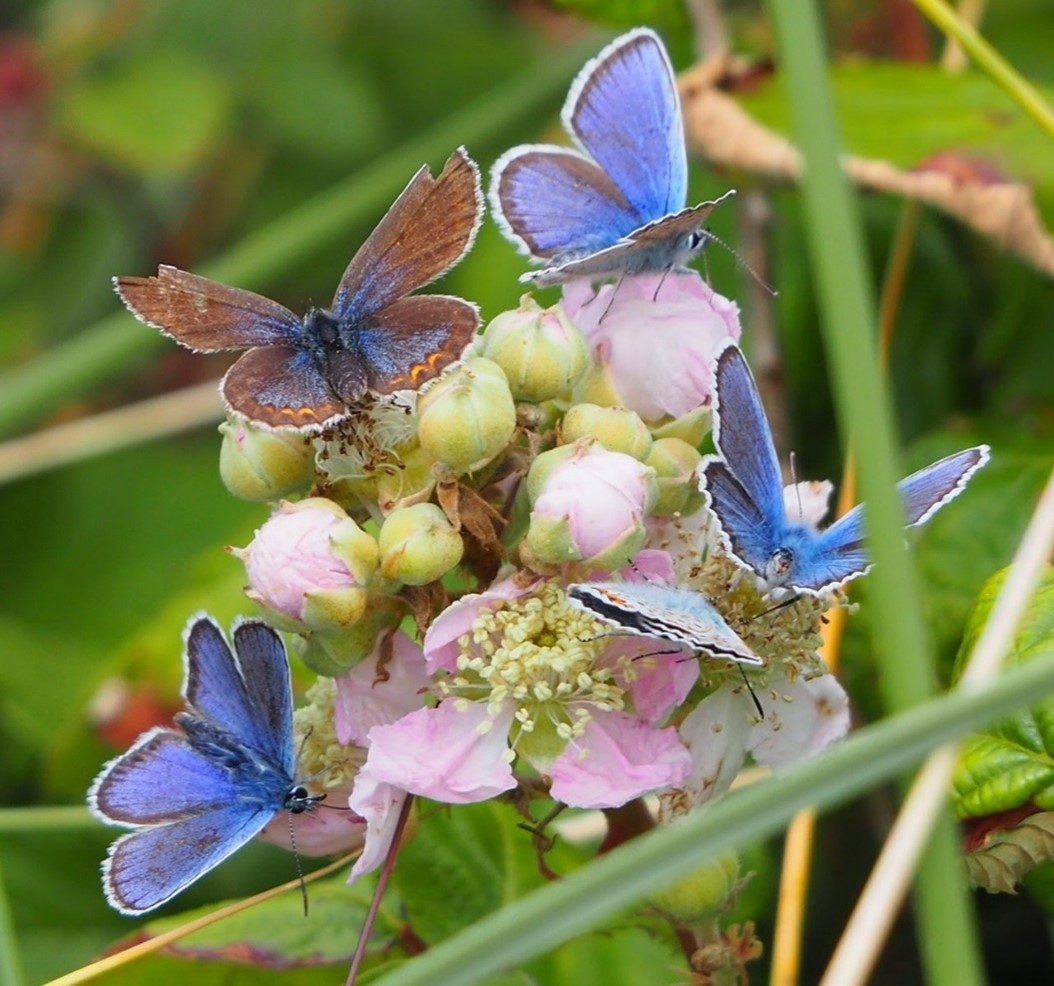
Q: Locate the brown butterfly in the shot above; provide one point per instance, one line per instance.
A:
(372, 340)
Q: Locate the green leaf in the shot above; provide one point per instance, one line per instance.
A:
(156, 114)
(462, 865)
(1011, 763)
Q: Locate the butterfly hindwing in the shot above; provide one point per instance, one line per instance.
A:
(414, 339)
(146, 868)
(282, 387)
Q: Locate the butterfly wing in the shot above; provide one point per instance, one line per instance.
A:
(553, 203)
(924, 492)
(205, 315)
(624, 110)
(250, 695)
(147, 868)
(413, 340)
(660, 245)
(748, 535)
(742, 436)
(673, 613)
(281, 387)
(428, 229)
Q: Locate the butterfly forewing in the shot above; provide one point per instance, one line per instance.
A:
(160, 778)
(624, 109)
(265, 669)
(428, 229)
(205, 315)
(553, 203)
(743, 437)
(924, 492)
(668, 612)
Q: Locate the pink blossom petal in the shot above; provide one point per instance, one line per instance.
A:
(813, 715)
(379, 804)
(441, 639)
(366, 698)
(684, 322)
(618, 758)
(650, 565)
(663, 680)
(456, 752)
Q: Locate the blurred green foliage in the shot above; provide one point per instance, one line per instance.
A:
(137, 133)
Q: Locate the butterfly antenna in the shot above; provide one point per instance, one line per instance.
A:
(742, 263)
(611, 300)
(299, 865)
(750, 688)
(797, 488)
(662, 281)
(378, 892)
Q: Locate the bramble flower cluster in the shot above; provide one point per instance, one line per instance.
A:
(425, 571)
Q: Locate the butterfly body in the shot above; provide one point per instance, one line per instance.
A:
(615, 203)
(744, 488)
(374, 339)
(194, 795)
(668, 612)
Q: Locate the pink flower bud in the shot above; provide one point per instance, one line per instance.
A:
(589, 507)
(309, 566)
(654, 337)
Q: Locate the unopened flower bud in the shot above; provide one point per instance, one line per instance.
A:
(704, 892)
(541, 352)
(468, 416)
(590, 508)
(331, 653)
(616, 428)
(418, 544)
(675, 463)
(309, 566)
(692, 427)
(410, 480)
(263, 465)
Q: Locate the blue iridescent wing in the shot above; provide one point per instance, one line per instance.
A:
(205, 315)
(748, 534)
(159, 779)
(924, 492)
(146, 868)
(624, 110)
(833, 556)
(249, 696)
(555, 204)
(840, 553)
(742, 437)
(428, 229)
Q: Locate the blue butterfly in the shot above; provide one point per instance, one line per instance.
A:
(616, 204)
(745, 492)
(670, 612)
(195, 795)
(305, 372)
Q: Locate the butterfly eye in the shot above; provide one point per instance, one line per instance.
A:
(780, 564)
(300, 799)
